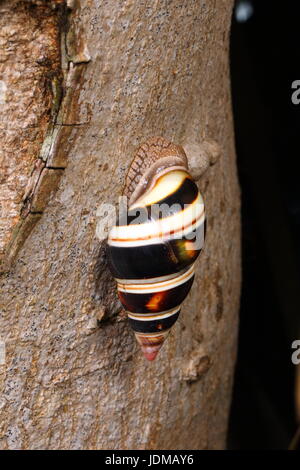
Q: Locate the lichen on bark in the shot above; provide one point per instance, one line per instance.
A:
(30, 71)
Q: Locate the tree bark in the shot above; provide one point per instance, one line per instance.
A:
(118, 72)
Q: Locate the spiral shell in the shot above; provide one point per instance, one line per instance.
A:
(153, 248)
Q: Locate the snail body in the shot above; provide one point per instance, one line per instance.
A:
(152, 250)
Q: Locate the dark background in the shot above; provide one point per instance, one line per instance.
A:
(265, 60)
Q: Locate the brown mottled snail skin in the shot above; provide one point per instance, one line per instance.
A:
(153, 259)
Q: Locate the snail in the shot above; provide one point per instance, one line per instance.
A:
(153, 247)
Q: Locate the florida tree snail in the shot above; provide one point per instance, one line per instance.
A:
(153, 249)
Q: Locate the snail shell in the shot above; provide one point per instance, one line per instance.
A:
(153, 249)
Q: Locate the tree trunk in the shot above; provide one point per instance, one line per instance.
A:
(82, 85)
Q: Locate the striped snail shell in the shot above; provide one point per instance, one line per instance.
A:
(152, 256)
